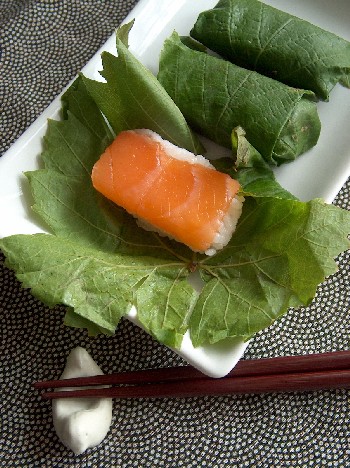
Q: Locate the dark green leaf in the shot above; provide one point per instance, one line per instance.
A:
(101, 287)
(78, 102)
(132, 98)
(252, 172)
(281, 250)
(257, 36)
(216, 96)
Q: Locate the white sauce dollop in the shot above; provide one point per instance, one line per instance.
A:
(81, 423)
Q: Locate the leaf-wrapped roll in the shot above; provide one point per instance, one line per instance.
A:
(257, 36)
(216, 96)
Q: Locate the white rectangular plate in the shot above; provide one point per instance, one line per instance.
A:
(319, 173)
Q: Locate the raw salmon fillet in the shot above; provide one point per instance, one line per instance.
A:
(172, 190)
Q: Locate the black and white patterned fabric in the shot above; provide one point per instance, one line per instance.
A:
(44, 43)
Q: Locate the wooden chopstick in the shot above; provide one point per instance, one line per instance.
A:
(249, 367)
(304, 381)
(289, 373)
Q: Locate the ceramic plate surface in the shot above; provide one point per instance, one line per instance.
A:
(320, 173)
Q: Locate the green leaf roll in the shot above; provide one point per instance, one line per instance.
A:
(257, 36)
(216, 96)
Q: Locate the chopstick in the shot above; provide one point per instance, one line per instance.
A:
(312, 372)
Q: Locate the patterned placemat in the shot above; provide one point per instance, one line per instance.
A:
(44, 44)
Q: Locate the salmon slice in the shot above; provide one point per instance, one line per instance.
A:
(177, 193)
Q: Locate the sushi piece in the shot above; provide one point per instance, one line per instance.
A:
(169, 190)
(275, 43)
(216, 96)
